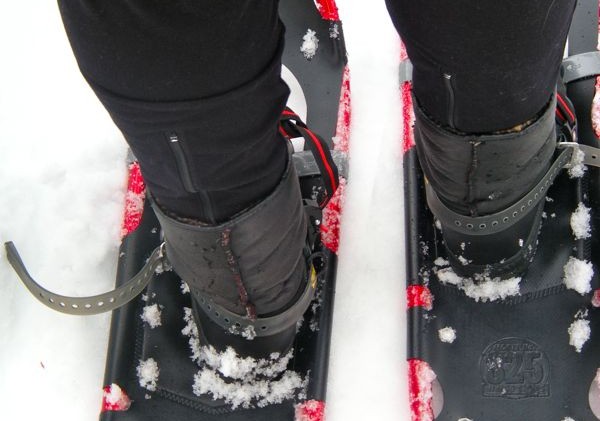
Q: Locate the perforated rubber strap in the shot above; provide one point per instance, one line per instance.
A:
(500, 221)
(580, 66)
(86, 306)
(290, 126)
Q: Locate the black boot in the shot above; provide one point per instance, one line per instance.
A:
(249, 276)
(483, 189)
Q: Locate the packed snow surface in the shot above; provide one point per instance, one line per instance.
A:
(578, 275)
(580, 222)
(447, 335)
(579, 333)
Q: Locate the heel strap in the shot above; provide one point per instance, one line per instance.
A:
(500, 221)
(95, 304)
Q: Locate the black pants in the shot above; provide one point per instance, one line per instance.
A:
(196, 90)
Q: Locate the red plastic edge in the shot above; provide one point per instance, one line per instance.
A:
(420, 389)
(408, 115)
(328, 9)
(310, 411)
(134, 200)
(419, 296)
(596, 298)
(122, 404)
(332, 214)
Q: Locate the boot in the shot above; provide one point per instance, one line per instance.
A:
(484, 191)
(249, 276)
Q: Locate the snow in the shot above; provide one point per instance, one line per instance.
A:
(580, 222)
(568, 419)
(147, 372)
(440, 261)
(241, 381)
(310, 43)
(578, 168)
(579, 333)
(115, 398)
(151, 315)
(578, 275)
(421, 379)
(185, 288)
(481, 287)
(447, 335)
(62, 178)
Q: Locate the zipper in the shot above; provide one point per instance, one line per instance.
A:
(186, 177)
(450, 90)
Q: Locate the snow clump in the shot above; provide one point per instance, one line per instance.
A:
(115, 399)
(242, 381)
(577, 168)
(579, 333)
(185, 288)
(447, 335)
(580, 222)
(334, 31)
(151, 315)
(578, 275)
(310, 44)
(481, 287)
(147, 372)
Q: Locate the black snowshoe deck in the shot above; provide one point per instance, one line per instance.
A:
(132, 340)
(511, 359)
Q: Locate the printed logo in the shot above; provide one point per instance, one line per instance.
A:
(515, 368)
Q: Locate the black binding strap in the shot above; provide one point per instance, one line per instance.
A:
(290, 126)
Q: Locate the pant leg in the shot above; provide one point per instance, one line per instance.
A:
(485, 65)
(195, 88)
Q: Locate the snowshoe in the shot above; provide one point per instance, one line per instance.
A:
(526, 347)
(155, 367)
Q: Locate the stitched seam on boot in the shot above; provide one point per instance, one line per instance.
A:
(237, 276)
(471, 193)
